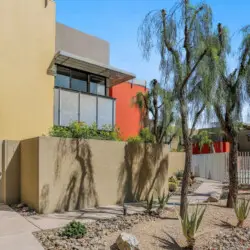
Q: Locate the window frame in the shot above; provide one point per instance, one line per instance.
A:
(88, 80)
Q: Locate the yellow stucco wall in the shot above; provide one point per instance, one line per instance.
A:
(27, 47)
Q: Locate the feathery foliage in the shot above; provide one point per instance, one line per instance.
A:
(188, 48)
(161, 106)
(231, 92)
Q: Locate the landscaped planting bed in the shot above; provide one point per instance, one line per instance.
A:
(96, 231)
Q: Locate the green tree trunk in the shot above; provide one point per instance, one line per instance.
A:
(233, 173)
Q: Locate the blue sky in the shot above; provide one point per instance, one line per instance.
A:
(117, 22)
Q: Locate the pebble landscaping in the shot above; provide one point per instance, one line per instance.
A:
(51, 239)
(235, 238)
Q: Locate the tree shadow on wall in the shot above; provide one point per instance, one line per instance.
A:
(80, 191)
(141, 172)
(44, 198)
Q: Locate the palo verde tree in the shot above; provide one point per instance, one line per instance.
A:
(183, 37)
(158, 113)
(232, 91)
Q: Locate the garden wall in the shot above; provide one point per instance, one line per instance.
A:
(9, 171)
(67, 174)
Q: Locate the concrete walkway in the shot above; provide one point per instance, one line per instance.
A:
(201, 193)
(16, 231)
(56, 220)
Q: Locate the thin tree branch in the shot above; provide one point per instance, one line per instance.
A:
(194, 17)
(171, 138)
(169, 45)
(242, 65)
(186, 40)
(220, 117)
(185, 81)
(197, 116)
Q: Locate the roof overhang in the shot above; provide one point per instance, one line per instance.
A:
(115, 75)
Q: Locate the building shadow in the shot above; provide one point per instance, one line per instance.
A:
(143, 171)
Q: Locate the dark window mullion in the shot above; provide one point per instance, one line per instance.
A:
(70, 79)
(88, 84)
(105, 86)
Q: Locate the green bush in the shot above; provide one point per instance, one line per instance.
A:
(74, 230)
(173, 179)
(190, 224)
(241, 209)
(172, 186)
(134, 139)
(146, 135)
(82, 130)
(179, 174)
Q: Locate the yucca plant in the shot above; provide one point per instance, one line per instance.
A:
(163, 199)
(150, 203)
(241, 208)
(190, 224)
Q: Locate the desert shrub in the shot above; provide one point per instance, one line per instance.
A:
(179, 174)
(163, 199)
(74, 230)
(134, 139)
(190, 224)
(173, 150)
(146, 135)
(173, 179)
(84, 131)
(58, 131)
(172, 186)
(241, 209)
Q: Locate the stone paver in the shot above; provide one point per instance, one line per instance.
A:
(56, 220)
(201, 193)
(16, 231)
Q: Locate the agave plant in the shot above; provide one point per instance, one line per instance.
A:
(150, 204)
(163, 200)
(241, 209)
(190, 224)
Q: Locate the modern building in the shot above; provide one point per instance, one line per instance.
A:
(53, 74)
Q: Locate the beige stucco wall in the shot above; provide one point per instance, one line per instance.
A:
(11, 172)
(29, 172)
(176, 162)
(81, 44)
(27, 47)
(65, 174)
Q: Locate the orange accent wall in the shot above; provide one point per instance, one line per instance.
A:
(127, 115)
(219, 147)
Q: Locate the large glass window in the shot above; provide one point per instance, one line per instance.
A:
(62, 77)
(79, 81)
(97, 85)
